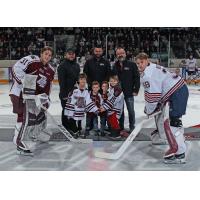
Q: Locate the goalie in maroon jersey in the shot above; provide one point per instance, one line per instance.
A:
(29, 94)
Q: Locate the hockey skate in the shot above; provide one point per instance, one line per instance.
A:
(170, 152)
(23, 151)
(75, 135)
(114, 135)
(156, 139)
(124, 133)
(175, 159)
(102, 133)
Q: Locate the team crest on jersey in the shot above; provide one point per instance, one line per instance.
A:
(146, 84)
(42, 81)
(80, 102)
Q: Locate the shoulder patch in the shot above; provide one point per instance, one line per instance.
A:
(117, 91)
(33, 57)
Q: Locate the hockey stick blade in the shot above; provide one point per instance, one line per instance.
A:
(116, 155)
(71, 138)
(67, 134)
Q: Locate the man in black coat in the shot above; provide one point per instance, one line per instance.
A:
(68, 73)
(97, 68)
(129, 77)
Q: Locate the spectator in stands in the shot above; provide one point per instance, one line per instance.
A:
(191, 65)
(68, 73)
(97, 68)
(129, 78)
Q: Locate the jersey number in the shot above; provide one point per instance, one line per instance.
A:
(146, 84)
(24, 61)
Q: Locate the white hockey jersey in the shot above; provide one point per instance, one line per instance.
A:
(32, 65)
(191, 64)
(79, 102)
(159, 84)
(115, 101)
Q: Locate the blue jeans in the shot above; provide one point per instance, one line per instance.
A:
(131, 113)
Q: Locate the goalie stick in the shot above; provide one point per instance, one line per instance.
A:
(116, 155)
(67, 134)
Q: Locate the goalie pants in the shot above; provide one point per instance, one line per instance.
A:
(18, 106)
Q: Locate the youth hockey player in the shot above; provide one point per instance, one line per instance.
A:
(78, 102)
(161, 86)
(92, 118)
(103, 115)
(114, 105)
(32, 76)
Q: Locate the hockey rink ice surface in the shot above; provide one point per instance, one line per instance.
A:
(140, 155)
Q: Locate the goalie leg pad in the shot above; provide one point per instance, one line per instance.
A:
(178, 132)
(16, 132)
(158, 136)
(159, 120)
(171, 140)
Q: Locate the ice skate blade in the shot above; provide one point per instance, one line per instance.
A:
(175, 161)
(24, 153)
(159, 143)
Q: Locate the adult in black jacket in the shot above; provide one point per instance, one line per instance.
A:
(97, 68)
(68, 73)
(129, 77)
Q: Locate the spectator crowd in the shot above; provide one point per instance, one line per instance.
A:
(18, 42)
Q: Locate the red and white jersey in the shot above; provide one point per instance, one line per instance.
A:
(32, 65)
(79, 102)
(115, 101)
(191, 64)
(97, 99)
(159, 84)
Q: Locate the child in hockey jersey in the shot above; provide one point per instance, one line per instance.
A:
(78, 102)
(161, 86)
(103, 115)
(114, 105)
(91, 117)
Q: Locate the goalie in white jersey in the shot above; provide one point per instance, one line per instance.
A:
(160, 87)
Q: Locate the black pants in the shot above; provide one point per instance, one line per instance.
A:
(64, 118)
(69, 123)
